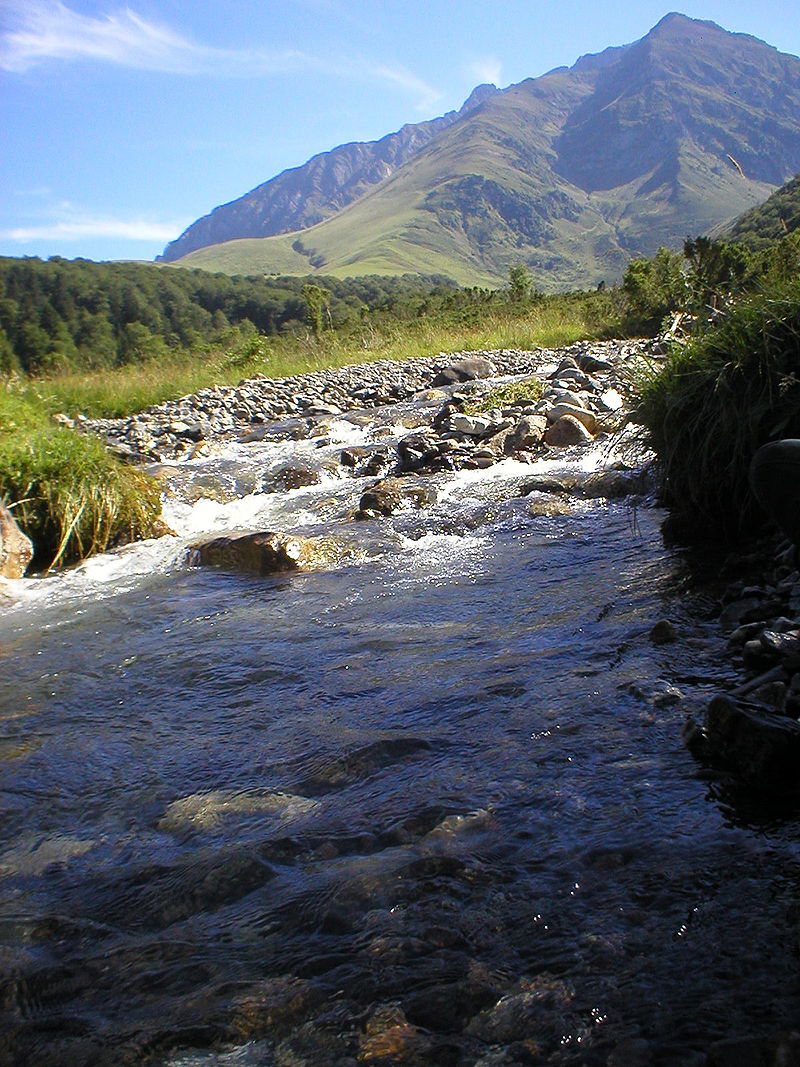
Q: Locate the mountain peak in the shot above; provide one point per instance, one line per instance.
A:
(477, 97)
(571, 173)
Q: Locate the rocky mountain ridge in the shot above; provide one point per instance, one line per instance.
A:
(571, 173)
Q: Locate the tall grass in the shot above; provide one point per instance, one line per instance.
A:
(68, 493)
(715, 401)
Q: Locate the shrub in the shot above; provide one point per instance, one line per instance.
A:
(527, 391)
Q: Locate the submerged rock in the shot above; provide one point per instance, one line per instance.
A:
(394, 494)
(202, 811)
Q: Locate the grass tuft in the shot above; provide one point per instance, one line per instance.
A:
(67, 492)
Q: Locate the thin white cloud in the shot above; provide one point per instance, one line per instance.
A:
(46, 30)
(428, 97)
(77, 227)
(43, 30)
(486, 69)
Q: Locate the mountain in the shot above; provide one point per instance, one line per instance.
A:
(572, 173)
(305, 195)
(765, 224)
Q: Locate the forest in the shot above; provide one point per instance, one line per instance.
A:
(60, 315)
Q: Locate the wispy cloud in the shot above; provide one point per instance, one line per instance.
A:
(427, 96)
(41, 30)
(486, 69)
(72, 224)
(38, 31)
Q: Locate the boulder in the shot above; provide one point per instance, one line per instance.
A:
(263, 553)
(527, 435)
(465, 370)
(760, 746)
(592, 364)
(16, 550)
(472, 425)
(391, 495)
(291, 475)
(583, 415)
(566, 431)
(613, 483)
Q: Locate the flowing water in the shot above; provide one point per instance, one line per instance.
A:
(430, 806)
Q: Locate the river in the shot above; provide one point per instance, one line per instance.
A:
(428, 806)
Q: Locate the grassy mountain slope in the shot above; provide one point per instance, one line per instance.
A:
(572, 173)
(763, 225)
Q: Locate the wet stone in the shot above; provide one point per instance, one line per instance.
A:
(273, 1007)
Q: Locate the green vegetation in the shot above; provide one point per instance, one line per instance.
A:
(71, 496)
(687, 290)
(768, 222)
(64, 315)
(732, 388)
(527, 391)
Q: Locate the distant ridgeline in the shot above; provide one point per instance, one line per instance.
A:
(63, 314)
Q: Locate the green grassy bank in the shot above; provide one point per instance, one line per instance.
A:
(716, 400)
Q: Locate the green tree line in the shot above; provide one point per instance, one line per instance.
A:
(77, 314)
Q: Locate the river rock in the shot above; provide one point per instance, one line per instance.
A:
(759, 746)
(612, 484)
(393, 494)
(566, 431)
(663, 633)
(291, 475)
(465, 370)
(472, 425)
(263, 553)
(390, 1038)
(16, 550)
(273, 1007)
(581, 414)
(527, 435)
(203, 811)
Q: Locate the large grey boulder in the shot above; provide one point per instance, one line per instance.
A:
(16, 550)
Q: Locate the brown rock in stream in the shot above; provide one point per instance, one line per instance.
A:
(264, 553)
(16, 550)
(567, 431)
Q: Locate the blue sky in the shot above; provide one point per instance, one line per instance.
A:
(123, 123)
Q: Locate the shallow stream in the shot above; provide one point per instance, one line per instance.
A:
(430, 806)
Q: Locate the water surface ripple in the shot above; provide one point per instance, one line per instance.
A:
(431, 807)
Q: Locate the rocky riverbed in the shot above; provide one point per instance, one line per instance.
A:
(590, 376)
(752, 731)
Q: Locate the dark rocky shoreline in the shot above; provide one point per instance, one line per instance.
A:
(752, 732)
